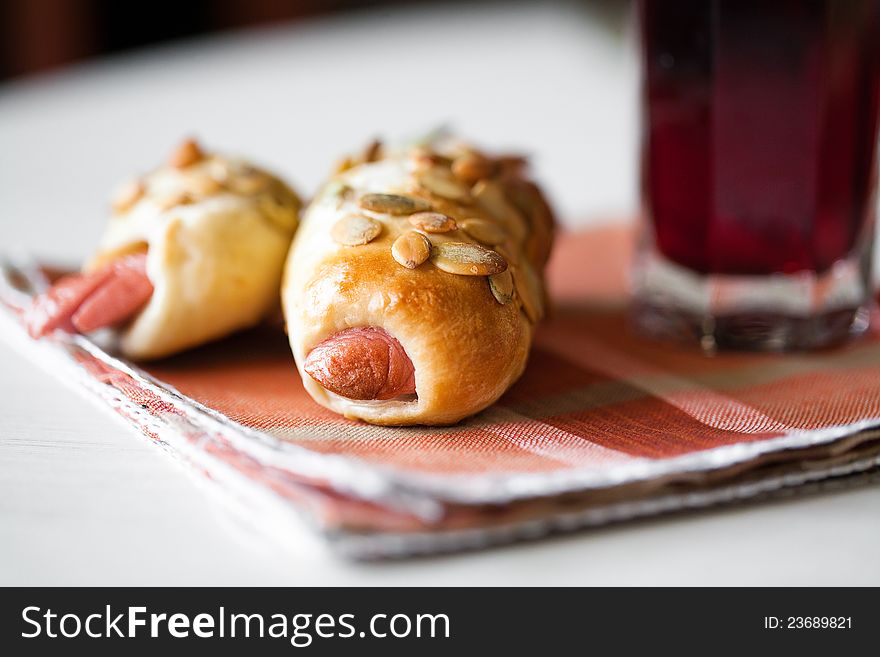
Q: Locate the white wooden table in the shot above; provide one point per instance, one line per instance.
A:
(83, 500)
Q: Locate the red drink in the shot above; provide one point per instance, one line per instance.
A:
(760, 125)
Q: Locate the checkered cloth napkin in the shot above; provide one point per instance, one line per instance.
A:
(603, 426)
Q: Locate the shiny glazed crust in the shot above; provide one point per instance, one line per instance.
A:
(216, 232)
(467, 346)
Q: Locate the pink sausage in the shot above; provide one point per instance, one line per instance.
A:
(86, 302)
(362, 363)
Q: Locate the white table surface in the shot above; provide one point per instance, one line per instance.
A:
(83, 500)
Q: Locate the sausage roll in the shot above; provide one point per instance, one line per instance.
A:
(193, 252)
(414, 284)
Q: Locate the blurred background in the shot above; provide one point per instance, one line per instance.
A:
(94, 91)
(38, 35)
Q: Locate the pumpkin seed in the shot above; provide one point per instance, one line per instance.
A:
(343, 165)
(528, 198)
(511, 164)
(335, 193)
(528, 289)
(181, 198)
(205, 185)
(438, 181)
(508, 251)
(128, 195)
(411, 249)
(187, 153)
(485, 232)
(393, 204)
(373, 151)
(467, 259)
(472, 167)
(279, 211)
(249, 182)
(432, 222)
(501, 286)
(355, 230)
(219, 169)
(491, 197)
(422, 157)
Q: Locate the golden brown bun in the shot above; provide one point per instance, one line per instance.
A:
(216, 232)
(467, 347)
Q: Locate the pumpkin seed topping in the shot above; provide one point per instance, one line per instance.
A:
(472, 167)
(502, 286)
(491, 197)
(433, 222)
(205, 185)
(373, 151)
(485, 232)
(528, 289)
(181, 198)
(393, 204)
(440, 182)
(355, 230)
(411, 249)
(186, 154)
(249, 182)
(128, 195)
(466, 259)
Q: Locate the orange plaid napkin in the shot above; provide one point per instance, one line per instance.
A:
(603, 426)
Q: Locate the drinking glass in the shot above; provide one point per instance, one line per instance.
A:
(758, 171)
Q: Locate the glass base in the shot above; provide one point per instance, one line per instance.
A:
(779, 312)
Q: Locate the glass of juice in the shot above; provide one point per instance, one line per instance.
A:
(758, 171)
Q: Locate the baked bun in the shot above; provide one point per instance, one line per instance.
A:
(413, 287)
(210, 234)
